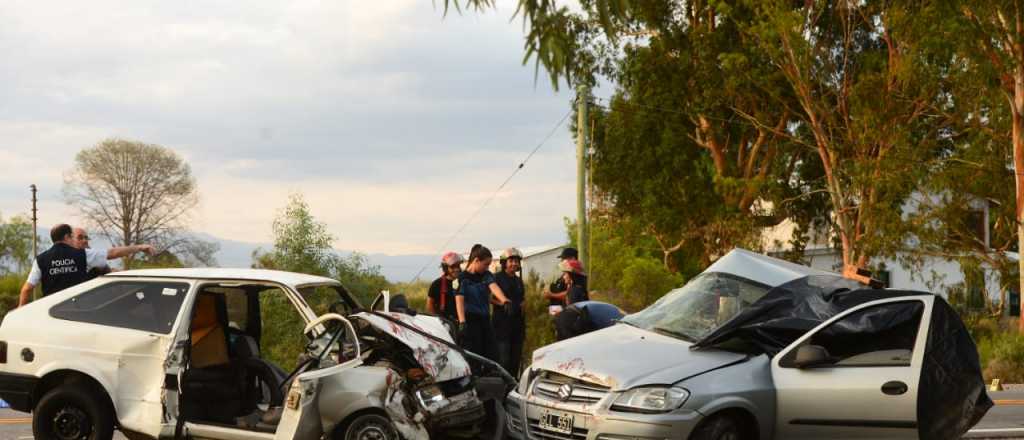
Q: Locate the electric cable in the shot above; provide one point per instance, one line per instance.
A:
(496, 191)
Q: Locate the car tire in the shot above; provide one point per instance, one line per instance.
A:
(371, 427)
(72, 412)
(718, 428)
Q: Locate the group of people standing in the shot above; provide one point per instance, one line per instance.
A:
(489, 308)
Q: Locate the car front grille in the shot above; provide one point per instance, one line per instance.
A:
(537, 433)
(547, 387)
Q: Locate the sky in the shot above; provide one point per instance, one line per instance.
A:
(394, 122)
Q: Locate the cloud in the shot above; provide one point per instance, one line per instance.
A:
(394, 122)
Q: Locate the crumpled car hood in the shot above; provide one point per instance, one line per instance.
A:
(622, 357)
(438, 360)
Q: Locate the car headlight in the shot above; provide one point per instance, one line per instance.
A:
(430, 395)
(651, 399)
(524, 382)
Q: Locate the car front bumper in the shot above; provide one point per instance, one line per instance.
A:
(595, 422)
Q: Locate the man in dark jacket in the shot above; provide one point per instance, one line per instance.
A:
(63, 265)
(510, 322)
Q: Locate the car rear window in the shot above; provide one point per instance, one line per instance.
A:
(150, 306)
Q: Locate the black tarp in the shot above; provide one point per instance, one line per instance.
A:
(951, 393)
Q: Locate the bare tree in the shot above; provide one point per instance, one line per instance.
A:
(132, 193)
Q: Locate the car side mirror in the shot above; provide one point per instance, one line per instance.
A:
(809, 356)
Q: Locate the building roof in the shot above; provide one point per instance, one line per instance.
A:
(277, 276)
(762, 268)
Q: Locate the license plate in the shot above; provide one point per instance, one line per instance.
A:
(556, 422)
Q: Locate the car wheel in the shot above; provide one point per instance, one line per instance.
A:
(718, 428)
(72, 412)
(371, 427)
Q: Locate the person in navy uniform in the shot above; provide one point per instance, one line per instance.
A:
(510, 324)
(63, 265)
(477, 291)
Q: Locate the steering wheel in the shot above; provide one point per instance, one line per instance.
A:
(266, 379)
(305, 363)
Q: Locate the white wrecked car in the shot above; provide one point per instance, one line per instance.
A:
(176, 353)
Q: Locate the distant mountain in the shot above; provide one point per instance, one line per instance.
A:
(395, 267)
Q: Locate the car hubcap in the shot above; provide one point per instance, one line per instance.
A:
(71, 423)
(371, 430)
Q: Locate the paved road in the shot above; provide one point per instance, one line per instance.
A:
(1005, 421)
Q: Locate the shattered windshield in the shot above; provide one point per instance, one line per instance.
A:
(696, 309)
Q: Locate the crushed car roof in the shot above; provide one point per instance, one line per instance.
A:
(277, 276)
(762, 268)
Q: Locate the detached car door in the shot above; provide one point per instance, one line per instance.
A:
(855, 376)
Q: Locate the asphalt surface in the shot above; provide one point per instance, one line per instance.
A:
(1004, 421)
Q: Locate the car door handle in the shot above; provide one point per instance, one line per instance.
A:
(894, 388)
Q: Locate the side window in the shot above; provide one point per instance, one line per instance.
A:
(281, 333)
(879, 336)
(150, 306)
(237, 303)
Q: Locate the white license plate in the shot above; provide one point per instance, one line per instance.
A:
(556, 422)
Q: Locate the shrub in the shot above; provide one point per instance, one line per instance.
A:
(1002, 356)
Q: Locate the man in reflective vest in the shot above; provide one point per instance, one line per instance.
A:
(63, 265)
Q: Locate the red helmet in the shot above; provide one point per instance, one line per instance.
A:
(451, 258)
(571, 266)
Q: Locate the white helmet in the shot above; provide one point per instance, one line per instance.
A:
(511, 253)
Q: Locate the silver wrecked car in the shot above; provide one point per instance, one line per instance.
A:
(760, 348)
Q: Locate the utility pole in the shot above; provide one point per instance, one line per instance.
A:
(35, 236)
(581, 174)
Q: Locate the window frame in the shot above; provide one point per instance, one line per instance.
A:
(185, 300)
(784, 358)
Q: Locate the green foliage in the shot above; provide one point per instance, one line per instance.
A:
(15, 245)
(10, 288)
(540, 329)
(282, 340)
(361, 278)
(647, 280)
(1000, 346)
(303, 244)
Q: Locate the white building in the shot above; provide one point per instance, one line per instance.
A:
(936, 274)
(543, 261)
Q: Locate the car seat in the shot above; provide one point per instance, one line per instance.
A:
(213, 386)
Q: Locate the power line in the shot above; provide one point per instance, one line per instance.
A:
(496, 191)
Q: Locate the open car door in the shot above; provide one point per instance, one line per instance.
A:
(857, 375)
(300, 418)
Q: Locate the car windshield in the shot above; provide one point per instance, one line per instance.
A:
(695, 310)
(321, 297)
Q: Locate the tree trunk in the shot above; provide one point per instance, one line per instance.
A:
(1018, 168)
